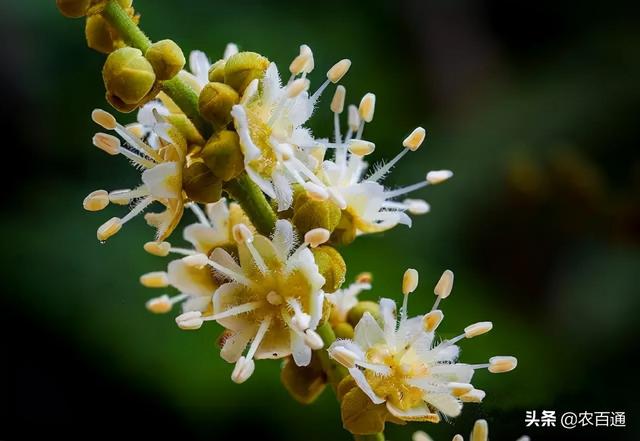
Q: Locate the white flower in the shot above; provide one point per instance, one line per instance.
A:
(273, 299)
(402, 365)
(199, 65)
(480, 432)
(161, 176)
(270, 122)
(196, 284)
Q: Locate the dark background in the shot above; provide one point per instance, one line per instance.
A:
(532, 104)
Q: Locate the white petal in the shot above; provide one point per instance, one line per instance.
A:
(235, 344)
(218, 213)
(227, 296)
(164, 180)
(387, 311)
(415, 413)
(445, 403)
(190, 279)
(367, 332)
(301, 352)
(283, 238)
(362, 383)
(284, 193)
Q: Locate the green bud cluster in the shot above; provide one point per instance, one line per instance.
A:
(129, 79)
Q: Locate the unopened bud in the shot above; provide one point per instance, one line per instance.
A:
(365, 306)
(167, 59)
(242, 68)
(200, 184)
(331, 266)
(73, 8)
(216, 72)
(215, 103)
(417, 206)
(223, 155)
(128, 76)
(100, 35)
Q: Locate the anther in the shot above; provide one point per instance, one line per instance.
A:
(432, 320)
(409, 281)
(107, 143)
(190, 320)
(297, 87)
(354, 118)
(473, 396)
(477, 329)
(317, 237)
(338, 70)
(438, 176)
(157, 248)
(417, 206)
(159, 305)
(109, 228)
(367, 107)
(415, 139)
(313, 339)
(242, 233)
(337, 103)
(316, 192)
(104, 119)
(360, 147)
(243, 370)
(96, 200)
(500, 364)
(155, 279)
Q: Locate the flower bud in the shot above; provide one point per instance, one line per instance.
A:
(167, 59)
(223, 156)
(355, 314)
(200, 184)
(345, 232)
(128, 76)
(331, 266)
(216, 71)
(215, 103)
(343, 330)
(120, 105)
(100, 35)
(310, 213)
(242, 68)
(73, 8)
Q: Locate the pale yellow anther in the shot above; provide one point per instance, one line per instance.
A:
(477, 329)
(457, 437)
(344, 356)
(106, 142)
(109, 228)
(157, 248)
(104, 119)
(313, 339)
(317, 237)
(190, 320)
(432, 320)
(409, 281)
(196, 260)
(459, 389)
(297, 87)
(337, 103)
(354, 118)
(303, 62)
(361, 147)
(96, 200)
(417, 206)
(445, 285)
(155, 279)
(438, 176)
(500, 364)
(415, 139)
(364, 278)
(316, 192)
(242, 233)
(473, 396)
(242, 370)
(274, 298)
(420, 436)
(159, 305)
(367, 107)
(338, 70)
(480, 431)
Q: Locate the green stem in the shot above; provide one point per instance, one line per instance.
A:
(253, 202)
(180, 92)
(335, 372)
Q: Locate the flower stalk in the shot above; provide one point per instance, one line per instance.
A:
(253, 202)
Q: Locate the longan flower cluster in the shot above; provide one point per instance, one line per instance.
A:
(229, 142)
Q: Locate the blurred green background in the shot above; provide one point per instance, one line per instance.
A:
(532, 104)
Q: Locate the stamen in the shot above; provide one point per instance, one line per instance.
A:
(477, 329)
(360, 147)
(409, 281)
(236, 310)
(432, 320)
(242, 370)
(96, 200)
(313, 339)
(157, 248)
(300, 320)
(316, 192)
(415, 139)
(367, 107)
(107, 143)
(104, 119)
(199, 213)
(459, 389)
(343, 356)
(109, 228)
(190, 321)
(337, 103)
(457, 437)
(155, 279)
(338, 70)
(262, 331)
(436, 177)
(164, 303)
(417, 206)
(242, 233)
(139, 208)
(382, 171)
(420, 436)
(317, 237)
(124, 197)
(443, 287)
(380, 369)
(474, 396)
(354, 119)
(480, 431)
(297, 87)
(500, 364)
(200, 259)
(364, 278)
